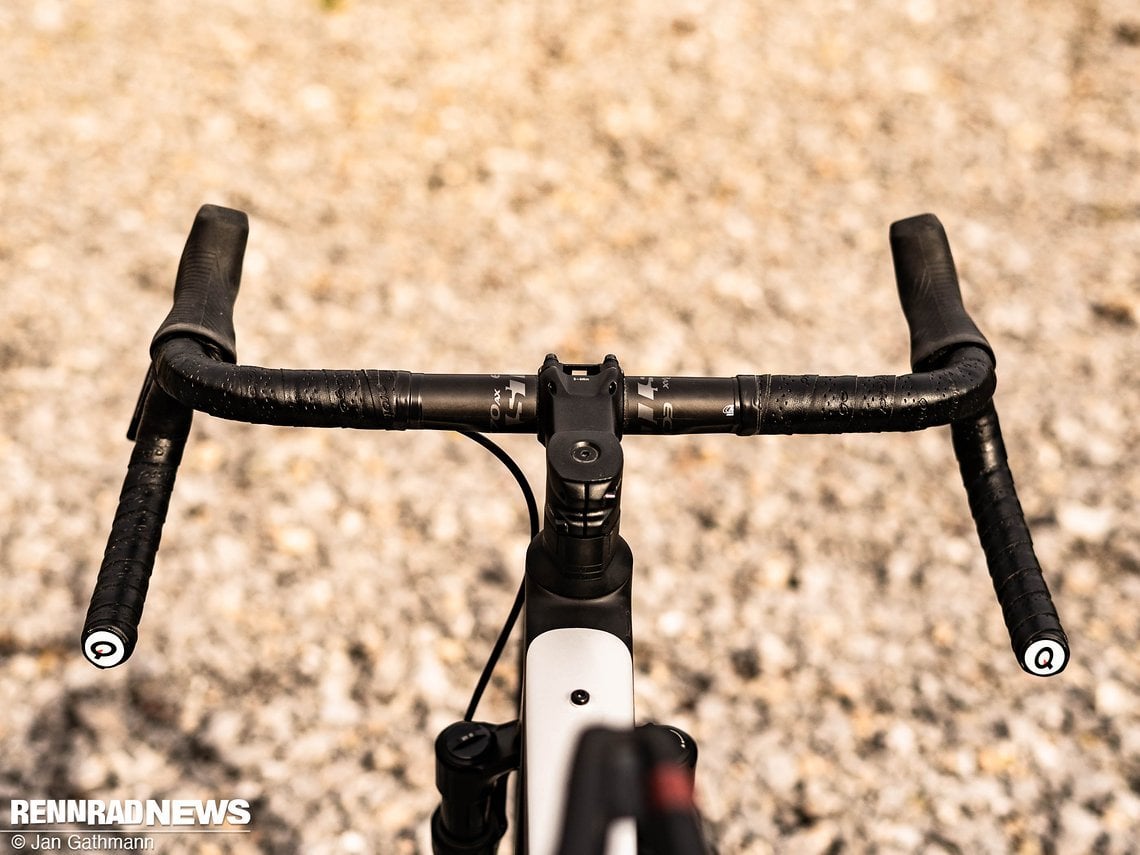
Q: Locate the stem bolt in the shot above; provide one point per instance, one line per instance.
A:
(585, 452)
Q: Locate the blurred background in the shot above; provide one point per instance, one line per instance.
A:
(697, 187)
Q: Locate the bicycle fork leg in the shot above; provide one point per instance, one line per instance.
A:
(472, 762)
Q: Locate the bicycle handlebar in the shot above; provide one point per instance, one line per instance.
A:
(932, 302)
(193, 368)
(159, 431)
(1035, 630)
(747, 404)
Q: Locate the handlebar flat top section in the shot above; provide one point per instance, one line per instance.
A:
(193, 367)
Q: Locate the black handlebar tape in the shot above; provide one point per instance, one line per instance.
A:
(1039, 642)
(793, 404)
(928, 291)
(111, 629)
(208, 278)
(371, 399)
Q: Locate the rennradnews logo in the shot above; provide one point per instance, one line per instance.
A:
(148, 813)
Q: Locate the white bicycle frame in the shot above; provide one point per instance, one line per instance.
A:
(561, 664)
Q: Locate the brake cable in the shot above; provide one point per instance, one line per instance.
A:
(516, 607)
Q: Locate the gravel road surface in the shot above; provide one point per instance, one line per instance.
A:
(699, 187)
